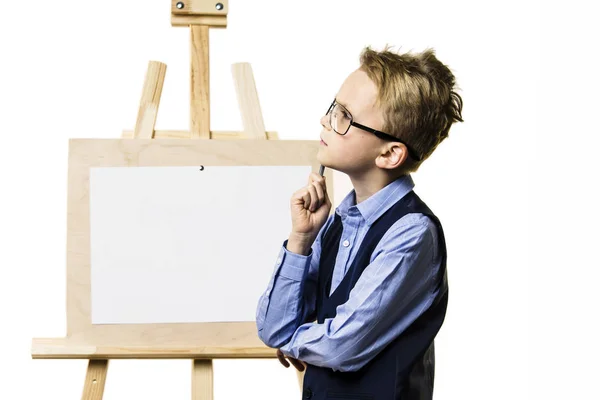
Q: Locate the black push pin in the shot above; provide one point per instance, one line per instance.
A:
(219, 6)
(180, 5)
(202, 168)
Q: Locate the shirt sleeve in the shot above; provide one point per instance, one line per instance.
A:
(392, 292)
(290, 297)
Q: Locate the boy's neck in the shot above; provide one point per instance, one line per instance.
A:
(368, 184)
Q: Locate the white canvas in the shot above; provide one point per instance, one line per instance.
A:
(177, 244)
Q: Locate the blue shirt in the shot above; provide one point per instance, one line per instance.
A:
(393, 290)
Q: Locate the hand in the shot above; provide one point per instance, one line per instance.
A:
(310, 206)
(297, 363)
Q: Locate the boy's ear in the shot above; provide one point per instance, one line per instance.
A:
(393, 155)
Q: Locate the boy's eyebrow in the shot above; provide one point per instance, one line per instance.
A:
(345, 106)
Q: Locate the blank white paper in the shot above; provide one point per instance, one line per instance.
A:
(181, 244)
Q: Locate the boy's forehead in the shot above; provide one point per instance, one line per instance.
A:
(358, 93)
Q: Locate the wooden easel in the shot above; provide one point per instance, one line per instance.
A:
(199, 15)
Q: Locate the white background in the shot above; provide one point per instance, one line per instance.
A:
(515, 185)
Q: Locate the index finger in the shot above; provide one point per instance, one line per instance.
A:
(297, 363)
(314, 177)
(282, 359)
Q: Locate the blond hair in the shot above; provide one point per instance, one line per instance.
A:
(416, 96)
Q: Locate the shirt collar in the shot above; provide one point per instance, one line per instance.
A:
(378, 203)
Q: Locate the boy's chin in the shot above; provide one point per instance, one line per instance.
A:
(329, 166)
(326, 163)
(321, 160)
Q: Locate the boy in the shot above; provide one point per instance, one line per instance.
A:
(372, 274)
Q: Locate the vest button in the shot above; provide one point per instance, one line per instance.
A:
(308, 393)
(346, 243)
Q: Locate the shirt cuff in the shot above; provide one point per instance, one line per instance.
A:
(293, 265)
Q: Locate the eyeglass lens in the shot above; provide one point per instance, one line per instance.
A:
(339, 119)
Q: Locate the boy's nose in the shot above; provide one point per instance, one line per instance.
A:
(325, 122)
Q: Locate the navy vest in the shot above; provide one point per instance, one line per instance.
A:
(404, 369)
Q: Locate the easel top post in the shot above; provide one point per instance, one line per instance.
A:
(211, 13)
(200, 7)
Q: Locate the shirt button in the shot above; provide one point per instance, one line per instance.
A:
(346, 243)
(308, 393)
(279, 261)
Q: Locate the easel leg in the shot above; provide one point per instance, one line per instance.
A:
(202, 379)
(245, 87)
(95, 378)
(153, 84)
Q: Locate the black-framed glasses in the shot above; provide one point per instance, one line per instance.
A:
(341, 120)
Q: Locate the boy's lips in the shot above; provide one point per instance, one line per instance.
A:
(322, 141)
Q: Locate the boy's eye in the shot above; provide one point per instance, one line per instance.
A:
(339, 112)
